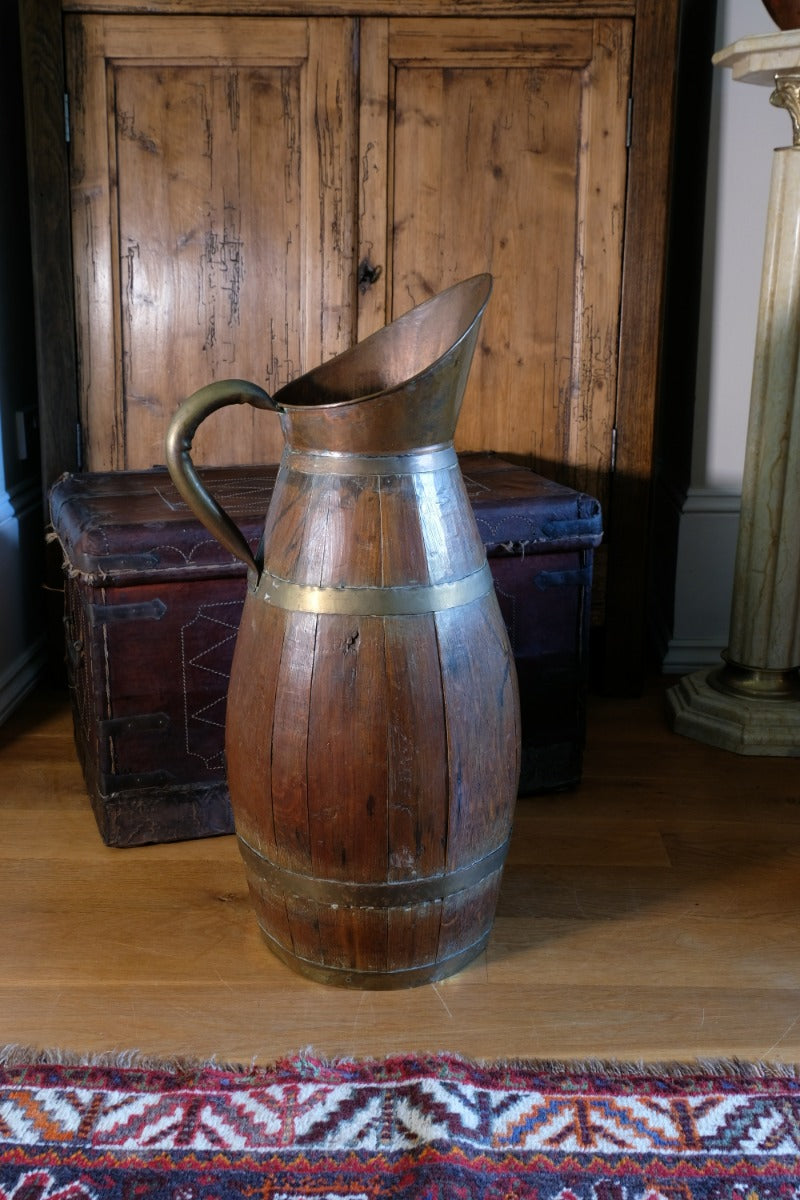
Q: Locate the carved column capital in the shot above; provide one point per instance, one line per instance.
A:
(787, 95)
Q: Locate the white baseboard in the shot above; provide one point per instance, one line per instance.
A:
(709, 527)
(683, 656)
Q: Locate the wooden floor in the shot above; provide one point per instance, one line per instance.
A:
(652, 913)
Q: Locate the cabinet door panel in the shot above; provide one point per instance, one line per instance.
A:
(505, 151)
(210, 160)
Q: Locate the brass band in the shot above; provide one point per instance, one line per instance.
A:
(409, 600)
(756, 683)
(371, 895)
(376, 980)
(331, 463)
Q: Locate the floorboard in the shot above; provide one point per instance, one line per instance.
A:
(652, 913)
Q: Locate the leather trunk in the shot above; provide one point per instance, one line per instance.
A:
(152, 606)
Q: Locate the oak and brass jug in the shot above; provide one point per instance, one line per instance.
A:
(372, 734)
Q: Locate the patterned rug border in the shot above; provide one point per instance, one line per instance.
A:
(414, 1126)
(309, 1064)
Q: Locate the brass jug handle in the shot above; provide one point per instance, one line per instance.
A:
(178, 445)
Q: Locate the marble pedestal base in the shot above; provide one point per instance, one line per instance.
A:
(758, 727)
(752, 704)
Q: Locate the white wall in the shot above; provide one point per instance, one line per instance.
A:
(744, 129)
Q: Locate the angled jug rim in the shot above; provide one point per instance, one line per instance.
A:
(412, 346)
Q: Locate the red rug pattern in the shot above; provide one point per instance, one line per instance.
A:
(414, 1127)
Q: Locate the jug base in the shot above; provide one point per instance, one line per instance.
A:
(347, 977)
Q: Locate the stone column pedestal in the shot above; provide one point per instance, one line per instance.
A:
(751, 704)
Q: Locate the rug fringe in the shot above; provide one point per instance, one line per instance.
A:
(723, 1068)
(16, 1055)
(308, 1062)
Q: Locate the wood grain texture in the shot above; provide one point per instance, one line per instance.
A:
(423, 8)
(374, 164)
(652, 913)
(210, 221)
(643, 290)
(372, 749)
(197, 243)
(508, 155)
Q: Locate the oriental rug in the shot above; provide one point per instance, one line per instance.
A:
(415, 1127)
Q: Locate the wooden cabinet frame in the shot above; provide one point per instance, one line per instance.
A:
(620, 656)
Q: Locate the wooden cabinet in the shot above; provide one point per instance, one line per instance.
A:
(220, 214)
(253, 191)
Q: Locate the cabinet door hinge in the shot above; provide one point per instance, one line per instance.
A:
(79, 445)
(613, 464)
(629, 124)
(66, 117)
